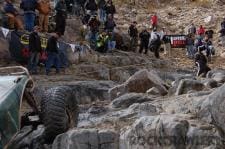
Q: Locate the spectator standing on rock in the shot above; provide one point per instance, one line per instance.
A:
(192, 29)
(44, 9)
(201, 62)
(94, 25)
(92, 6)
(60, 17)
(154, 20)
(190, 45)
(222, 36)
(209, 34)
(13, 22)
(53, 53)
(144, 37)
(69, 6)
(201, 31)
(110, 8)
(166, 41)
(133, 33)
(223, 24)
(102, 11)
(29, 7)
(109, 28)
(35, 49)
(155, 42)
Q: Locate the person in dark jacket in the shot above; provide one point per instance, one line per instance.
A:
(110, 24)
(144, 37)
(60, 17)
(190, 45)
(69, 5)
(201, 62)
(35, 49)
(223, 24)
(13, 21)
(94, 25)
(92, 6)
(209, 34)
(110, 8)
(133, 33)
(102, 11)
(29, 7)
(53, 53)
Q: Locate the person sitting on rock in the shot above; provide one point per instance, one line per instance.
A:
(13, 20)
(133, 33)
(201, 62)
(144, 37)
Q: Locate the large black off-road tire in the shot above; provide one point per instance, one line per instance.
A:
(59, 111)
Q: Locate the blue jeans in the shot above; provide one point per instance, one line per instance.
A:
(53, 60)
(93, 36)
(191, 51)
(29, 19)
(111, 45)
(33, 62)
(102, 15)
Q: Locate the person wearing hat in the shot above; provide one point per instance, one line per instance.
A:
(35, 49)
(133, 33)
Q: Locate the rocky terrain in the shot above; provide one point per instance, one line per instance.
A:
(132, 101)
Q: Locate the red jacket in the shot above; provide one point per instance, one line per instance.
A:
(201, 31)
(154, 19)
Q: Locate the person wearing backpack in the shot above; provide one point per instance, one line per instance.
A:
(44, 9)
(155, 42)
(35, 49)
(29, 7)
(92, 6)
(60, 17)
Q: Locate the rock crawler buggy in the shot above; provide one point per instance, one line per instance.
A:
(58, 109)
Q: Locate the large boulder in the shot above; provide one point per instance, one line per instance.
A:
(187, 85)
(213, 108)
(140, 82)
(169, 131)
(87, 139)
(126, 100)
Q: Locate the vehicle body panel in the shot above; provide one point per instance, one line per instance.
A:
(11, 93)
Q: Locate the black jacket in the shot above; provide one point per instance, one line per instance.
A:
(91, 5)
(110, 25)
(133, 32)
(110, 9)
(102, 4)
(61, 9)
(34, 42)
(52, 45)
(144, 36)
